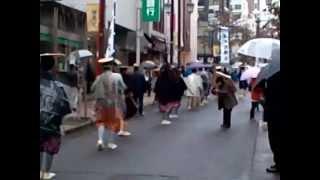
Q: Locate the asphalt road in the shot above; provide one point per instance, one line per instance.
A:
(193, 147)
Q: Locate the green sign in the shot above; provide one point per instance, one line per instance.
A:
(151, 10)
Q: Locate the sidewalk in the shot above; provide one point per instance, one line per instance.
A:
(263, 157)
(75, 121)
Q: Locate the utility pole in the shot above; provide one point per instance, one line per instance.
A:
(179, 32)
(258, 21)
(100, 36)
(222, 12)
(171, 31)
(138, 33)
(258, 27)
(55, 29)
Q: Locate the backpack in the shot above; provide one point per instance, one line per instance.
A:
(53, 106)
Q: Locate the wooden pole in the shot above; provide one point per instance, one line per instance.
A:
(100, 36)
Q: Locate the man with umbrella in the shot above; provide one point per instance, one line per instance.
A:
(273, 118)
(269, 80)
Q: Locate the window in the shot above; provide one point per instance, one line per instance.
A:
(237, 6)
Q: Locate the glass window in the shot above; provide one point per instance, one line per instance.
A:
(237, 6)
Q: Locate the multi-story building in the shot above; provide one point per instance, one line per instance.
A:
(188, 39)
(236, 9)
(204, 50)
(211, 15)
(239, 9)
(62, 28)
(155, 43)
(152, 40)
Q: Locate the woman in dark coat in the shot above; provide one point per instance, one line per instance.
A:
(226, 98)
(165, 84)
(177, 92)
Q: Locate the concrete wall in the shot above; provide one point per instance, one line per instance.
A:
(125, 13)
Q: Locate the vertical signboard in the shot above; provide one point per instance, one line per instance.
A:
(224, 45)
(92, 17)
(151, 10)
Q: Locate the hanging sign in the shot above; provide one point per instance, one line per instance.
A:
(92, 17)
(151, 10)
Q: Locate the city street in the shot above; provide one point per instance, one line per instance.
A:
(193, 147)
(99, 51)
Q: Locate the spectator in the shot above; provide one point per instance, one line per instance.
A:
(226, 98)
(194, 84)
(138, 88)
(54, 105)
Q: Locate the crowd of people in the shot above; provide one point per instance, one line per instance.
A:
(119, 96)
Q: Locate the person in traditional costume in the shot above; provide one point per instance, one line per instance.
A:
(108, 91)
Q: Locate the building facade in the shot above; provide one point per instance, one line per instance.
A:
(208, 28)
(62, 28)
(155, 42)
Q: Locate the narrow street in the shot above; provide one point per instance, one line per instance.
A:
(193, 147)
(108, 49)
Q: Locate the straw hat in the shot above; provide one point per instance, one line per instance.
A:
(223, 75)
(105, 60)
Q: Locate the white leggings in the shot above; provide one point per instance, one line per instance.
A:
(101, 131)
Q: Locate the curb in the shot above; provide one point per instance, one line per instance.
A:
(78, 127)
(84, 124)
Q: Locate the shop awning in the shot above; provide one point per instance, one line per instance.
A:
(60, 40)
(125, 39)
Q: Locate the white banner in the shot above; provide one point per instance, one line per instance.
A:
(224, 45)
(110, 48)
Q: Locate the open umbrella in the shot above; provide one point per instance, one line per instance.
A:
(223, 75)
(149, 65)
(271, 69)
(83, 53)
(262, 65)
(236, 65)
(198, 65)
(250, 73)
(78, 55)
(108, 59)
(105, 60)
(52, 54)
(259, 48)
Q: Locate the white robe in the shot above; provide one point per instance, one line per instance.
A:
(194, 84)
